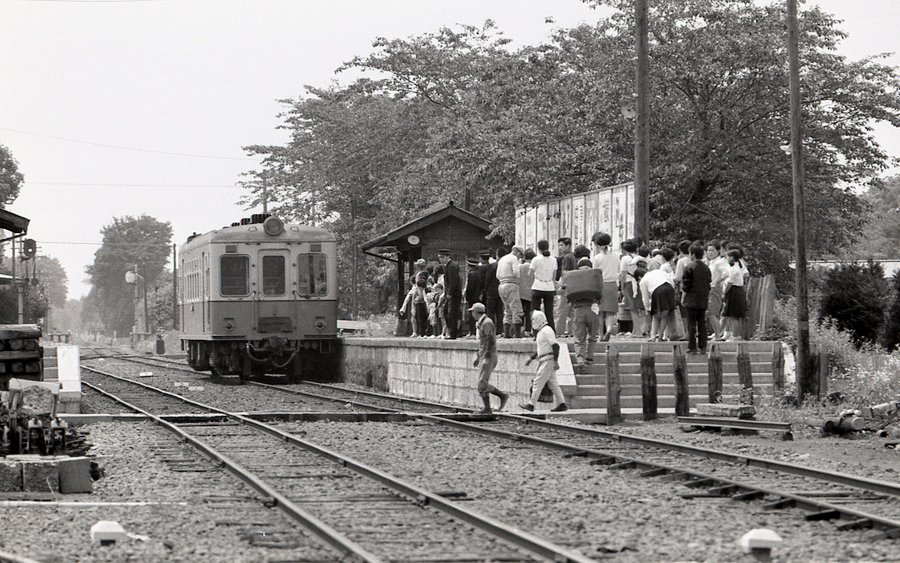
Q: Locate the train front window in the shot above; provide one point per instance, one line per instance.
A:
(312, 274)
(235, 278)
(273, 275)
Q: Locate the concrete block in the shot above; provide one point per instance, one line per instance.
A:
(760, 539)
(40, 476)
(75, 475)
(106, 532)
(10, 476)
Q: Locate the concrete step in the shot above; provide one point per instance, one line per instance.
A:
(632, 402)
(665, 389)
(693, 365)
(666, 356)
(634, 345)
(693, 379)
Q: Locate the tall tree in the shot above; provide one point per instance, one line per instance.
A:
(128, 243)
(10, 177)
(882, 226)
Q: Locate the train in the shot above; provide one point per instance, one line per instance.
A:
(259, 297)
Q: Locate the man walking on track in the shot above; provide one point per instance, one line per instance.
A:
(487, 358)
(547, 356)
(453, 289)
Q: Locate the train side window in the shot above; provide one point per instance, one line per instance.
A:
(312, 274)
(234, 275)
(273, 275)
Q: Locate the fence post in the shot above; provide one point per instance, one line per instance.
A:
(745, 374)
(824, 369)
(813, 366)
(613, 387)
(648, 382)
(778, 367)
(682, 392)
(715, 366)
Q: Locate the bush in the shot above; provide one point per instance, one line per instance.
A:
(891, 338)
(864, 372)
(854, 299)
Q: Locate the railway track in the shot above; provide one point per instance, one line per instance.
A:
(851, 501)
(363, 513)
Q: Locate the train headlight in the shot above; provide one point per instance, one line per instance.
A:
(273, 226)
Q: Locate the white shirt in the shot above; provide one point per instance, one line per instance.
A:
(508, 268)
(719, 270)
(608, 263)
(679, 266)
(545, 340)
(735, 275)
(652, 280)
(544, 268)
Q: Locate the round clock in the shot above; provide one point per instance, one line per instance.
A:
(413, 240)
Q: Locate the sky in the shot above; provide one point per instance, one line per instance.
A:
(116, 108)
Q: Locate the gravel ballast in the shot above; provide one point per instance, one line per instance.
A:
(201, 513)
(601, 512)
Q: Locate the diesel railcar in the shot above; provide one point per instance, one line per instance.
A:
(259, 296)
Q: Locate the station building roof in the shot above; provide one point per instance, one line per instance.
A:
(399, 237)
(13, 223)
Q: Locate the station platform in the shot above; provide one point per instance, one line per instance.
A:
(441, 370)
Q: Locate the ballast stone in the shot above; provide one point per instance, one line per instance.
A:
(107, 532)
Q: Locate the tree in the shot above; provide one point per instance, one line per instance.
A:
(128, 242)
(892, 317)
(10, 177)
(52, 279)
(855, 298)
(882, 226)
(459, 113)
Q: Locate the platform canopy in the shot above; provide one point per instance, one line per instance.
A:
(13, 223)
(441, 226)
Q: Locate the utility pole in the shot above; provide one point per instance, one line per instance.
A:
(20, 288)
(807, 383)
(146, 318)
(641, 124)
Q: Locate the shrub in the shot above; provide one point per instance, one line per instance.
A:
(891, 338)
(854, 298)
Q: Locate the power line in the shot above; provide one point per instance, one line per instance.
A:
(120, 147)
(124, 185)
(70, 242)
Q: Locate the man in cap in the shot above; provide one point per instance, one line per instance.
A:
(453, 288)
(508, 278)
(474, 282)
(487, 358)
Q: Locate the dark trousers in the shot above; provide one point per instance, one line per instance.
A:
(470, 319)
(696, 328)
(494, 309)
(454, 304)
(422, 319)
(543, 301)
(526, 308)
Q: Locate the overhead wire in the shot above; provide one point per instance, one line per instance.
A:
(124, 148)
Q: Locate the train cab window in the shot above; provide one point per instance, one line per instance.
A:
(312, 274)
(234, 272)
(273, 275)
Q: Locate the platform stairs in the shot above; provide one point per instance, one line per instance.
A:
(591, 381)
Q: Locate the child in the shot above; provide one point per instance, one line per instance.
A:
(434, 314)
(735, 308)
(586, 323)
(658, 292)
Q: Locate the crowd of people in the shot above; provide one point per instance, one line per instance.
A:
(692, 291)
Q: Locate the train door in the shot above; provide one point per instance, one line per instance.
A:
(272, 302)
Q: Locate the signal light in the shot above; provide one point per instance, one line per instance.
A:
(29, 248)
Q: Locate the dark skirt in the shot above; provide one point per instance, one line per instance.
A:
(663, 299)
(628, 298)
(610, 301)
(735, 302)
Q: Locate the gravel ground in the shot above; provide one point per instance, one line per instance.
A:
(602, 513)
(222, 519)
